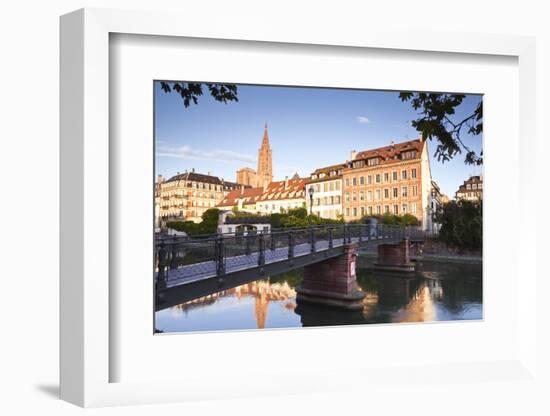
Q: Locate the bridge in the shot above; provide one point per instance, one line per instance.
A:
(188, 268)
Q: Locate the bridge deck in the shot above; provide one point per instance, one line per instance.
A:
(205, 270)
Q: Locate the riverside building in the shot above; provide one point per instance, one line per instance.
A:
(186, 196)
(324, 192)
(393, 179)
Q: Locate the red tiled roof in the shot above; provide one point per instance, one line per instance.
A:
(289, 189)
(389, 152)
(248, 195)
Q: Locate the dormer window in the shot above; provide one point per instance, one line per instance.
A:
(410, 154)
(373, 161)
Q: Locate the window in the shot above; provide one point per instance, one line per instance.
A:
(369, 195)
(332, 200)
(378, 209)
(386, 177)
(378, 178)
(347, 182)
(404, 191)
(386, 193)
(354, 181)
(369, 179)
(338, 199)
(386, 209)
(403, 174)
(354, 196)
(378, 194)
(362, 211)
(347, 196)
(396, 209)
(413, 173)
(468, 186)
(479, 186)
(413, 207)
(373, 162)
(395, 192)
(369, 210)
(355, 212)
(474, 186)
(347, 212)
(414, 190)
(362, 180)
(410, 154)
(362, 196)
(325, 187)
(337, 185)
(394, 174)
(404, 209)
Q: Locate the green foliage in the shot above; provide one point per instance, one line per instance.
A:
(210, 220)
(209, 224)
(391, 219)
(436, 121)
(297, 212)
(461, 224)
(191, 91)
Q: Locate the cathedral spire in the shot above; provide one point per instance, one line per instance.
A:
(265, 141)
(265, 169)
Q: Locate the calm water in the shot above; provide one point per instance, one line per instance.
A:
(437, 292)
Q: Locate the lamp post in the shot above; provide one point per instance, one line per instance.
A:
(310, 191)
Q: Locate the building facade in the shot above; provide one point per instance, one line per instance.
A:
(241, 199)
(324, 192)
(393, 179)
(471, 189)
(186, 196)
(281, 196)
(247, 177)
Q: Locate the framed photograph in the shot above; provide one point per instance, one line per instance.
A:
(317, 233)
(225, 197)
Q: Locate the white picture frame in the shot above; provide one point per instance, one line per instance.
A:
(86, 355)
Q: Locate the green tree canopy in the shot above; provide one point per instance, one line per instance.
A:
(437, 121)
(191, 91)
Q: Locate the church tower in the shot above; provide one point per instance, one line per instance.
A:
(265, 168)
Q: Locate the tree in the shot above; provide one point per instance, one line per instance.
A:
(436, 121)
(461, 224)
(191, 91)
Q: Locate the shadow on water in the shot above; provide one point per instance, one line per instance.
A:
(435, 292)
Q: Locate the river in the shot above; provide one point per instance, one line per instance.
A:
(436, 292)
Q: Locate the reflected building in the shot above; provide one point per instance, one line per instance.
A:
(262, 291)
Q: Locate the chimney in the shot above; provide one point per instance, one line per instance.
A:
(353, 155)
(286, 182)
(209, 173)
(193, 170)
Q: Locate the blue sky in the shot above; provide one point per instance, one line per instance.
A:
(308, 128)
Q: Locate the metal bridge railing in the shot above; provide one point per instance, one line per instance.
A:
(217, 254)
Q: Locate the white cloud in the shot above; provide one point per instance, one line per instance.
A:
(186, 152)
(363, 120)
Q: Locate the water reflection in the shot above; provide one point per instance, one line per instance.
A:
(437, 292)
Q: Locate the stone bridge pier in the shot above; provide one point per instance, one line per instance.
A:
(332, 282)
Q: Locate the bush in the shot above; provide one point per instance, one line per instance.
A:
(391, 219)
(461, 224)
(208, 225)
